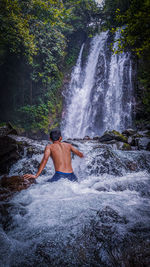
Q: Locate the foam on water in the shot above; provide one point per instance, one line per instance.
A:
(58, 212)
(56, 204)
(51, 223)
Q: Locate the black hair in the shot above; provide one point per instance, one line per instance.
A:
(55, 134)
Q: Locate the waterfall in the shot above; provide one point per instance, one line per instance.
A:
(99, 96)
(118, 98)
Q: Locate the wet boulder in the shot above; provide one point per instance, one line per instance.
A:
(96, 137)
(116, 145)
(7, 129)
(10, 152)
(33, 150)
(148, 147)
(104, 160)
(109, 215)
(123, 146)
(113, 135)
(86, 138)
(129, 132)
(13, 184)
(132, 166)
(143, 143)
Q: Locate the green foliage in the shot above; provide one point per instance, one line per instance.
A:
(41, 117)
(15, 32)
(136, 37)
(36, 37)
(109, 11)
(126, 147)
(134, 18)
(136, 34)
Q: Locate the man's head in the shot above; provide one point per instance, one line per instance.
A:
(55, 135)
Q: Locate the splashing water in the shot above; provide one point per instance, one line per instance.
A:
(80, 224)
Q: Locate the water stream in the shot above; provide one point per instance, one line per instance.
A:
(103, 220)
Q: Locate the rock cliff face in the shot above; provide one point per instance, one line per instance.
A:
(7, 129)
(10, 152)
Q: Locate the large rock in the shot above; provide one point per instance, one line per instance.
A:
(113, 135)
(123, 146)
(148, 146)
(7, 129)
(11, 185)
(86, 138)
(105, 160)
(10, 152)
(116, 145)
(144, 143)
(129, 132)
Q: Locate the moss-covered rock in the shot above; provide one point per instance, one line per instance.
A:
(6, 129)
(113, 135)
(126, 147)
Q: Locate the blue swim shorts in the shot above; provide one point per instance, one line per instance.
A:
(59, 175)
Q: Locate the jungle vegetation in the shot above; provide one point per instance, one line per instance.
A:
(134, 18)
(39, 44)
(39, 41)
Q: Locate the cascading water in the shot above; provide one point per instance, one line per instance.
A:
(118, 97)
(77, 109)
(101, 99)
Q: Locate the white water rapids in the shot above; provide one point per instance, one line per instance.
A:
(80, 224)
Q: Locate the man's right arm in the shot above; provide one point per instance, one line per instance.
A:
(76, 151)
(47, 153)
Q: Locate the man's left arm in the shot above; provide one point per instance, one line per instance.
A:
(47, 153)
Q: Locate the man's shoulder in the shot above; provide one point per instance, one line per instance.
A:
(66, 144)
(48, 146)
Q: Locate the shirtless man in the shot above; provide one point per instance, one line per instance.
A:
(60, 153)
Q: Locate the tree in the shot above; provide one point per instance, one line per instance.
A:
(36, 38)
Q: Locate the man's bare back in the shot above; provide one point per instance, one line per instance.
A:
(61, 156)
(60, 153)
